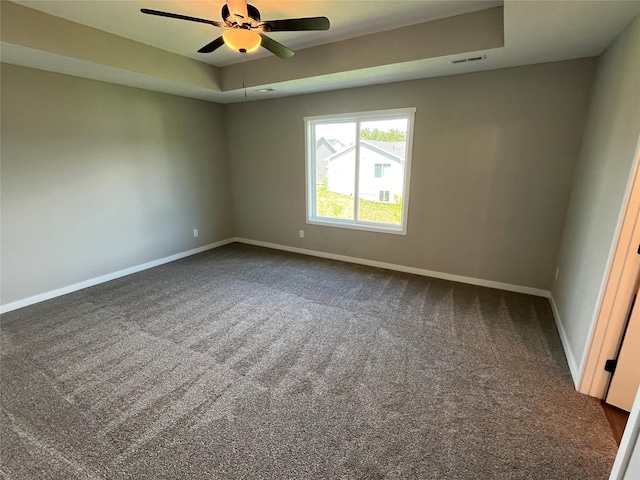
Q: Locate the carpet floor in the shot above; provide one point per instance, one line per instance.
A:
(249, 363)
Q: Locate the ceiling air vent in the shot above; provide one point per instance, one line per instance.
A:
(470, 59)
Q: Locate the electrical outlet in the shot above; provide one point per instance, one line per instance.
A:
(301, 233)
(195, 232)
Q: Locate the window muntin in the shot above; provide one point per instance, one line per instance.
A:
(358, 168)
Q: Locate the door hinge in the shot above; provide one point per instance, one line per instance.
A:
(610, 365)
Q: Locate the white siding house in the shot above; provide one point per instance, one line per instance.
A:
(381, 171)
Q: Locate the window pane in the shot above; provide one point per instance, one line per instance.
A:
(383, 146)
(335, 169)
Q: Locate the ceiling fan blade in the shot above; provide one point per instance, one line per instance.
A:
(296, 24)
(275, 47)
(210, 47)
(181, 17)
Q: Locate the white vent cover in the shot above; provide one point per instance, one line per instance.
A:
(470, 59)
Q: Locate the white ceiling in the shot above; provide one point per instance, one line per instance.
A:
(534, 32)
(348, 19)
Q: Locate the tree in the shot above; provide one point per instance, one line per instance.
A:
(393, 135)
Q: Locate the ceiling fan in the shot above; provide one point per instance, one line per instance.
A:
(245, 31)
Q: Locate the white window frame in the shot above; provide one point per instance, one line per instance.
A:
(310, 165)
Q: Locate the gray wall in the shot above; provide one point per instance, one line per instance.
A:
(606, 157)
(493, 162)
(97, 178)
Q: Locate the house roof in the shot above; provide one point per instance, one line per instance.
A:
(337, 144)
(383, 148)
(395, 148)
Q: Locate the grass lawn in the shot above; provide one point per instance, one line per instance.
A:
(336, 205)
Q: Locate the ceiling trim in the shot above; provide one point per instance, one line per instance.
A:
(518, 33)
(38, 40)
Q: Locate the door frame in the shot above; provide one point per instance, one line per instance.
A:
(616, 292)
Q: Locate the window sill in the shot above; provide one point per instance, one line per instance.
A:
(368, 227)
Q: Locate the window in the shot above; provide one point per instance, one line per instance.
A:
(382, 170)
(358, 168)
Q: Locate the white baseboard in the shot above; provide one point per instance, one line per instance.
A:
(573, 365)
(568, 352)
(361, 261)
(402, 268)
(105, 278)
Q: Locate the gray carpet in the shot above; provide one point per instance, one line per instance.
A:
(244, 362)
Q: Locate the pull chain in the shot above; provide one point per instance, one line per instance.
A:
(244, 71)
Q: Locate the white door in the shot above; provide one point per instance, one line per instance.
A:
(626, 378)
(627, 464)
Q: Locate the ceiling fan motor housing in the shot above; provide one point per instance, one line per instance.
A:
(253, 12)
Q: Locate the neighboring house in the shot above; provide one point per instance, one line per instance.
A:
(381, 170)
(325, 147)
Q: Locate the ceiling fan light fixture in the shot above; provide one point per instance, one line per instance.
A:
(242, 40)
